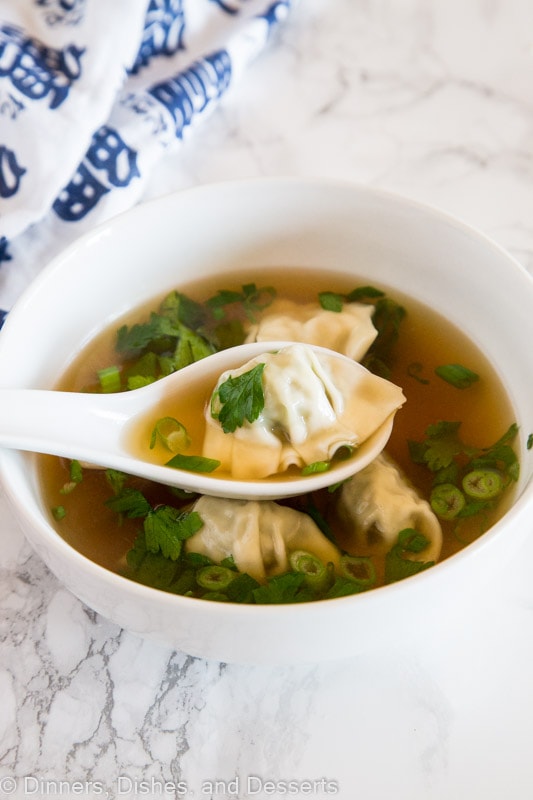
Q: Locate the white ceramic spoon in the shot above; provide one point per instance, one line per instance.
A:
(92, 428)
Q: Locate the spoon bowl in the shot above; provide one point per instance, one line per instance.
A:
(96, 429)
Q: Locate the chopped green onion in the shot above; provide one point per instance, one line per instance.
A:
(315, 467)
(359, 569)
(317, 574)
(415, 370)
(59, 512)
(364, 293)
(214, 578)
(345, 451)
(331, 301)
(483, 484)
(459, 376)
(447, 501)
(138, 381)
(193, 463)
(76, 476)
(171, 433)
(219, 597)
(109, 379)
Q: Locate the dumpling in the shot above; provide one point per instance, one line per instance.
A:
(258, 535)
(377, 503)
(349, 331)
(314, 404)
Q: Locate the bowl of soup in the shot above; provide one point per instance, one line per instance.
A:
(419, 299)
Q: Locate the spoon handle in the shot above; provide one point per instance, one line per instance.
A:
(66, 424)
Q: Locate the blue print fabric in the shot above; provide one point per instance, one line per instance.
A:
(94, 92)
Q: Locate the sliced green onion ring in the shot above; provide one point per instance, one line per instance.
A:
(171, 433)
(483, 484)
(214, 578)
(317, 574)
(447, 500)
(359, 569)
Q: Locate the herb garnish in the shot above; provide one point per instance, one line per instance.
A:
(316, 467)
(250, 298)
(183, 331)
(76, 477)
(466, 479)
(239, 398)
(459, 376)
(399, 563)
(331, 301)
(58, 513)
(129, 502)
(171, 433)
(193, 463)
(415, 371)
(386, 318)
(109, 379)
(165, 528)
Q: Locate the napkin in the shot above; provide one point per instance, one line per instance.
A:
(93, 94)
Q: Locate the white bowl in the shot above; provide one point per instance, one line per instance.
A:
(207, 231)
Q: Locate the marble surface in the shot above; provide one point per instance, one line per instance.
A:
(429, 98)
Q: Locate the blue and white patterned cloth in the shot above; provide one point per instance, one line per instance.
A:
(94, 92)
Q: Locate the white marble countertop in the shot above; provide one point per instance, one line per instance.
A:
(429, 98)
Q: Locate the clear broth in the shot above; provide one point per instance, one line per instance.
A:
(426, 339)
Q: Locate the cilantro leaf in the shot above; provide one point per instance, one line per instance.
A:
(166, 527)
(139, 336)
(286, 588)
(398, 564)
(191, 347)
(130, 502)
(251, 298)
(229, 333)
(387, 317)
(241, 588)
(165, 336)
(116, 479)
(241, 398)
(343, 587)
(150, 569)
(457, 467)
(441, 445)
(181, 308)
